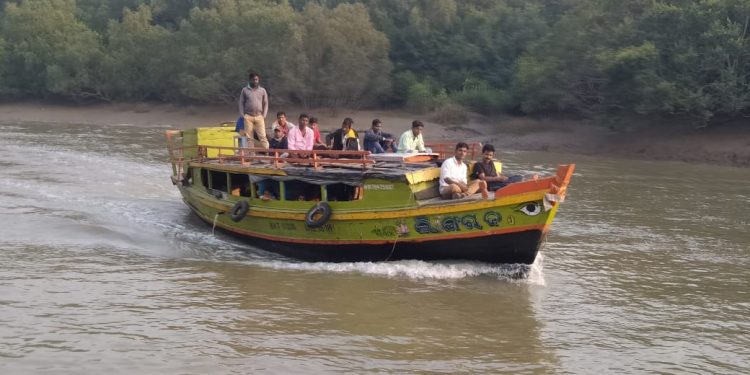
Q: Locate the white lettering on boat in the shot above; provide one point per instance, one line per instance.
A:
(378, 186)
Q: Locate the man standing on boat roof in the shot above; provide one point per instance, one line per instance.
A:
(253, 105)
(453, 183)
(411, 140)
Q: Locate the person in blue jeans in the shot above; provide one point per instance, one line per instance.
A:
(378, 142)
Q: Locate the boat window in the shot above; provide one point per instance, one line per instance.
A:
(204, 178)
(239, 184)
(343, 192)
(218, 180)
(267, 189)
(301, 191)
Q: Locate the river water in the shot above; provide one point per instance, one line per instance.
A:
(104, 269)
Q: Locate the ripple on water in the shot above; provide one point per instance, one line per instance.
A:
(104, 267)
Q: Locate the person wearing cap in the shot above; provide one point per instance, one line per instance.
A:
(337, 139)
(279, 141)
(376, 141)
(411, 140)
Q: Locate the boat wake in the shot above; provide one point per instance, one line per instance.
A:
(422, 270)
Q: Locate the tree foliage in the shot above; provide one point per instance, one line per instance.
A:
(48, 51)
(343, 60)
(675, 58)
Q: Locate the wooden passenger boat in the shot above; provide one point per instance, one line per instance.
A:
(339, 206)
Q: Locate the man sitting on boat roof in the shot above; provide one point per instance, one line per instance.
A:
(377, 141)
(337, 140)
(279, 141)
(281, 123)
(453, 184)
(301, 137)
(317, 141)
(411, 140)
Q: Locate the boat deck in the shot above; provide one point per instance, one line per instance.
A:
(438, 201)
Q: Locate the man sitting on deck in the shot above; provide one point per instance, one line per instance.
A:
(411, 140)
(485, 169)
(317, 141)
(279, 141)
(337, 140)
(301, 137)
(453, 184)
(376, 141)
(282, 124)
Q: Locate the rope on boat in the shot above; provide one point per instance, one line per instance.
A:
(213, 230)
(395, 241)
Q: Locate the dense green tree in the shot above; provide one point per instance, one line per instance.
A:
(343, 60)
(603, 58)
(140, 58)
(221, 44)
(98, 13)
(48, 50)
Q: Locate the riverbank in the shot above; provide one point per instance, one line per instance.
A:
(719, 145)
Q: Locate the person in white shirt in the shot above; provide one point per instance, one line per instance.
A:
(301, 137)
(411, 140)
(453, 182)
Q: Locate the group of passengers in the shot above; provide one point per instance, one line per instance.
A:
(305, 136)
(454, 183)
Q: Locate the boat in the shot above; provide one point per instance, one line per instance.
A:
(352, 206)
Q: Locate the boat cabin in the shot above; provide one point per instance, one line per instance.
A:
(209, 158)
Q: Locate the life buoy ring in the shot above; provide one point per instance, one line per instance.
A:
(239, 210)
(318, 215)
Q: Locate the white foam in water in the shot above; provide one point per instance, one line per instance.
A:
(420, 270)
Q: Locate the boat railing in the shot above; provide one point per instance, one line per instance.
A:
(280, 157)
(176, 155)
(446, 150)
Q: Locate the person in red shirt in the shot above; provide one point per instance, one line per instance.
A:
(318, 143)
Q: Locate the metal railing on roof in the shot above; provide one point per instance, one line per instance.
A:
(446, 150)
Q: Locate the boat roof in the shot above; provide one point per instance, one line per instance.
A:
(329, 173)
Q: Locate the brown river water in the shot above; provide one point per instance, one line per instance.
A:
(104, 270)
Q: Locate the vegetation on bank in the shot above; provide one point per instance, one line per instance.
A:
(604, 58)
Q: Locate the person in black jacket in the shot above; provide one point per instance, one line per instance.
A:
(337, 140)
(279, 141)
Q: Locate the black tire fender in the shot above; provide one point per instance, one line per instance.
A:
(239, 211)
(321, 208)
